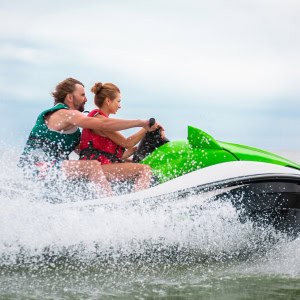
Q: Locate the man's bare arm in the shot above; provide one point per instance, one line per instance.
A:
(107, 124)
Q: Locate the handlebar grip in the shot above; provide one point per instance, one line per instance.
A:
(151, 122)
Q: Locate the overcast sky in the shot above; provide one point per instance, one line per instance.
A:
(228, 67)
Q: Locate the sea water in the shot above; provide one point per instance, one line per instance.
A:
(177, 249)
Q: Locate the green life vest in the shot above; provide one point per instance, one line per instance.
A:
(48, 145)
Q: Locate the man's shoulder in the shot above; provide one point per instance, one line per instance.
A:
(68, 115)
(56, 107)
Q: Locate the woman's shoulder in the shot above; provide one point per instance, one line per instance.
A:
(96, 113)
(93, 112)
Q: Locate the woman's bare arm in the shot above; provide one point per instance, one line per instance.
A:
(121, 140)
(118, 138)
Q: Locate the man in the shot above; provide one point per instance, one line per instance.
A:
(56, 134)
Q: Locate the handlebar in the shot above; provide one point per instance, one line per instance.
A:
(151, 122)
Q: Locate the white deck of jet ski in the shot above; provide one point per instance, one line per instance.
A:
(217, 173)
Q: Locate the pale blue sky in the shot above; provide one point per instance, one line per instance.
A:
(229, 67)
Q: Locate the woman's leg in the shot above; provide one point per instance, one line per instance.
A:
(124, 171)
(90, 169)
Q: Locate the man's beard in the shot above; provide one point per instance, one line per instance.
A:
(76, 103)
(81, 108)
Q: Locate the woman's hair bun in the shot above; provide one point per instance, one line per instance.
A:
(96, 88)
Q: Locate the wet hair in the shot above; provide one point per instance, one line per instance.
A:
(64, 88)
(103, 91)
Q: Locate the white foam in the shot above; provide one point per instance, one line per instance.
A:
(191, 224)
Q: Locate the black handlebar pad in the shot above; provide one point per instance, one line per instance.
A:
(151, 122)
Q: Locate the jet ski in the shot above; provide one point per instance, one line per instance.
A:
(261, 185)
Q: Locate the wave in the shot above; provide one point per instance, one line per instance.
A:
(186, 231)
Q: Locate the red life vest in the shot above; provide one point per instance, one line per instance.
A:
(100, 142)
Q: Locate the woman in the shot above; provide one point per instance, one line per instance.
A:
(110, 147)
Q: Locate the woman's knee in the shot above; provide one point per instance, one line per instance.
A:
(146, 169)
(91, 164)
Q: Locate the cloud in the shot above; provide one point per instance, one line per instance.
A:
(233, 56)
(9, 51)
(211, 49)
